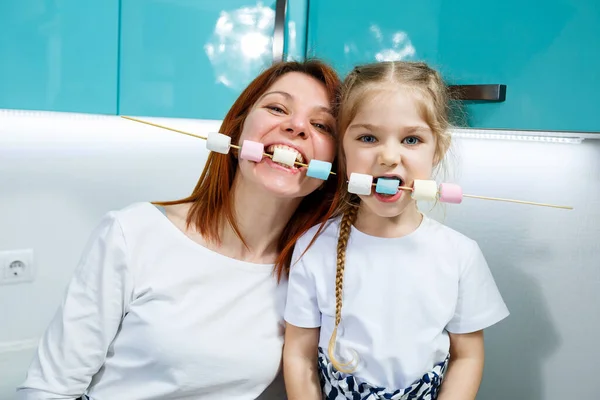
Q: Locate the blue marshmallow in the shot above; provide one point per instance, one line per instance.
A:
(387, 186)
(319, 169)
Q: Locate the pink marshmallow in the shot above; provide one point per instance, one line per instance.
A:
(252, 151)
(450, 193)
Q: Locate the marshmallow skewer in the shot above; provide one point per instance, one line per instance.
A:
(359, 183)
(252, 151)
(426, 190)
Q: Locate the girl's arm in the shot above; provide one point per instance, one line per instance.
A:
(300, 363)
(465, 368)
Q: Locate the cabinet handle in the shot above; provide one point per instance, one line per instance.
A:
(278, 31)
(493, 92)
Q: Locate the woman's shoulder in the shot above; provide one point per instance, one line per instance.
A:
(133, 218)
(133, 212)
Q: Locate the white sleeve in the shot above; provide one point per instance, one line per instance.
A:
(301, 307)
(479, 304)
(74, 345)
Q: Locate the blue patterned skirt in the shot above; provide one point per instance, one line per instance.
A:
(339, 386)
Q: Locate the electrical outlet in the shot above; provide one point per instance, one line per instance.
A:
(16, 266)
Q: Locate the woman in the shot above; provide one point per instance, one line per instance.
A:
(184, 299)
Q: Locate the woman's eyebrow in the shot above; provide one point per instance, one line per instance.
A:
(290, 97)
(284, 94)
(325, 109)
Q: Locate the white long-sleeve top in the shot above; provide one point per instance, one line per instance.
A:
(150, 314)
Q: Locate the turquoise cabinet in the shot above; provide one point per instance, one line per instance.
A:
(191, 59)
(547, 54)
(59, 55)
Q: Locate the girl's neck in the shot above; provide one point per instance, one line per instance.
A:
(388, 227)
(261, 218)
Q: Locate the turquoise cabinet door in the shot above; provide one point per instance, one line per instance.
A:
(191, 59)
(59, 55)
(547, 55)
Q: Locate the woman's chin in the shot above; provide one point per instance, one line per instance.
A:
(287, 189)
(266, 178)
(282, 183)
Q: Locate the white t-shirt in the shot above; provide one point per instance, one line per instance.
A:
(400, 295)
(150, 314)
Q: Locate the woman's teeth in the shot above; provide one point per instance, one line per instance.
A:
(270, 149)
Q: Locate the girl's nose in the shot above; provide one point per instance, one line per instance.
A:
(389, 156)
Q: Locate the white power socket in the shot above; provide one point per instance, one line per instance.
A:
(16, 266)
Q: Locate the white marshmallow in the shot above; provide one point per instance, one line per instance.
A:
(424, 190)
(284, 156)
(218, 142)
(360, 183)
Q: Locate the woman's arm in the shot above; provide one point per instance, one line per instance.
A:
(300, 363)
(74, 346)
(465, 369)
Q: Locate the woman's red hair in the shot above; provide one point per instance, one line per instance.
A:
(212, 198)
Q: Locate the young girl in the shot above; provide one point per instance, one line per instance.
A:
(403, 302)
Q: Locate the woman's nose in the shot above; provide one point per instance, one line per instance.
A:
(296, 126)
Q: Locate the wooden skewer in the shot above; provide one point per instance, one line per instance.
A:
(201, 137)
(164, 127)
(517, 201)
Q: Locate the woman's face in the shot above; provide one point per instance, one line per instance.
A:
(294, 113)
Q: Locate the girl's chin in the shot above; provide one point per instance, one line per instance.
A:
(386, 209)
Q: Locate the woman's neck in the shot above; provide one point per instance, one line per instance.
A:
(389, 227)
(261, 218)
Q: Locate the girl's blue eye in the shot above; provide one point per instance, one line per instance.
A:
(367, 139)
(412, 140)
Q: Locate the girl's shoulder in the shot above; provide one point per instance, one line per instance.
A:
(320, 235)
(442, 236)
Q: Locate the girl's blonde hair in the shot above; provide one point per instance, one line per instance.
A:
(360, 86)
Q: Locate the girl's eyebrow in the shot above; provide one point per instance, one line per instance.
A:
(364, 126)
(409, 129)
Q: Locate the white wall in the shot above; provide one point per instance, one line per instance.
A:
(60, 172)
(546, 262)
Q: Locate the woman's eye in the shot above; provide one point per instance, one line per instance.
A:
(276, 109)
(323, 127)
(412, 140)
(367, 139)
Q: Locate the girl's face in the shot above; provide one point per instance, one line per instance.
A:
(294, 113)
(389, 138)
